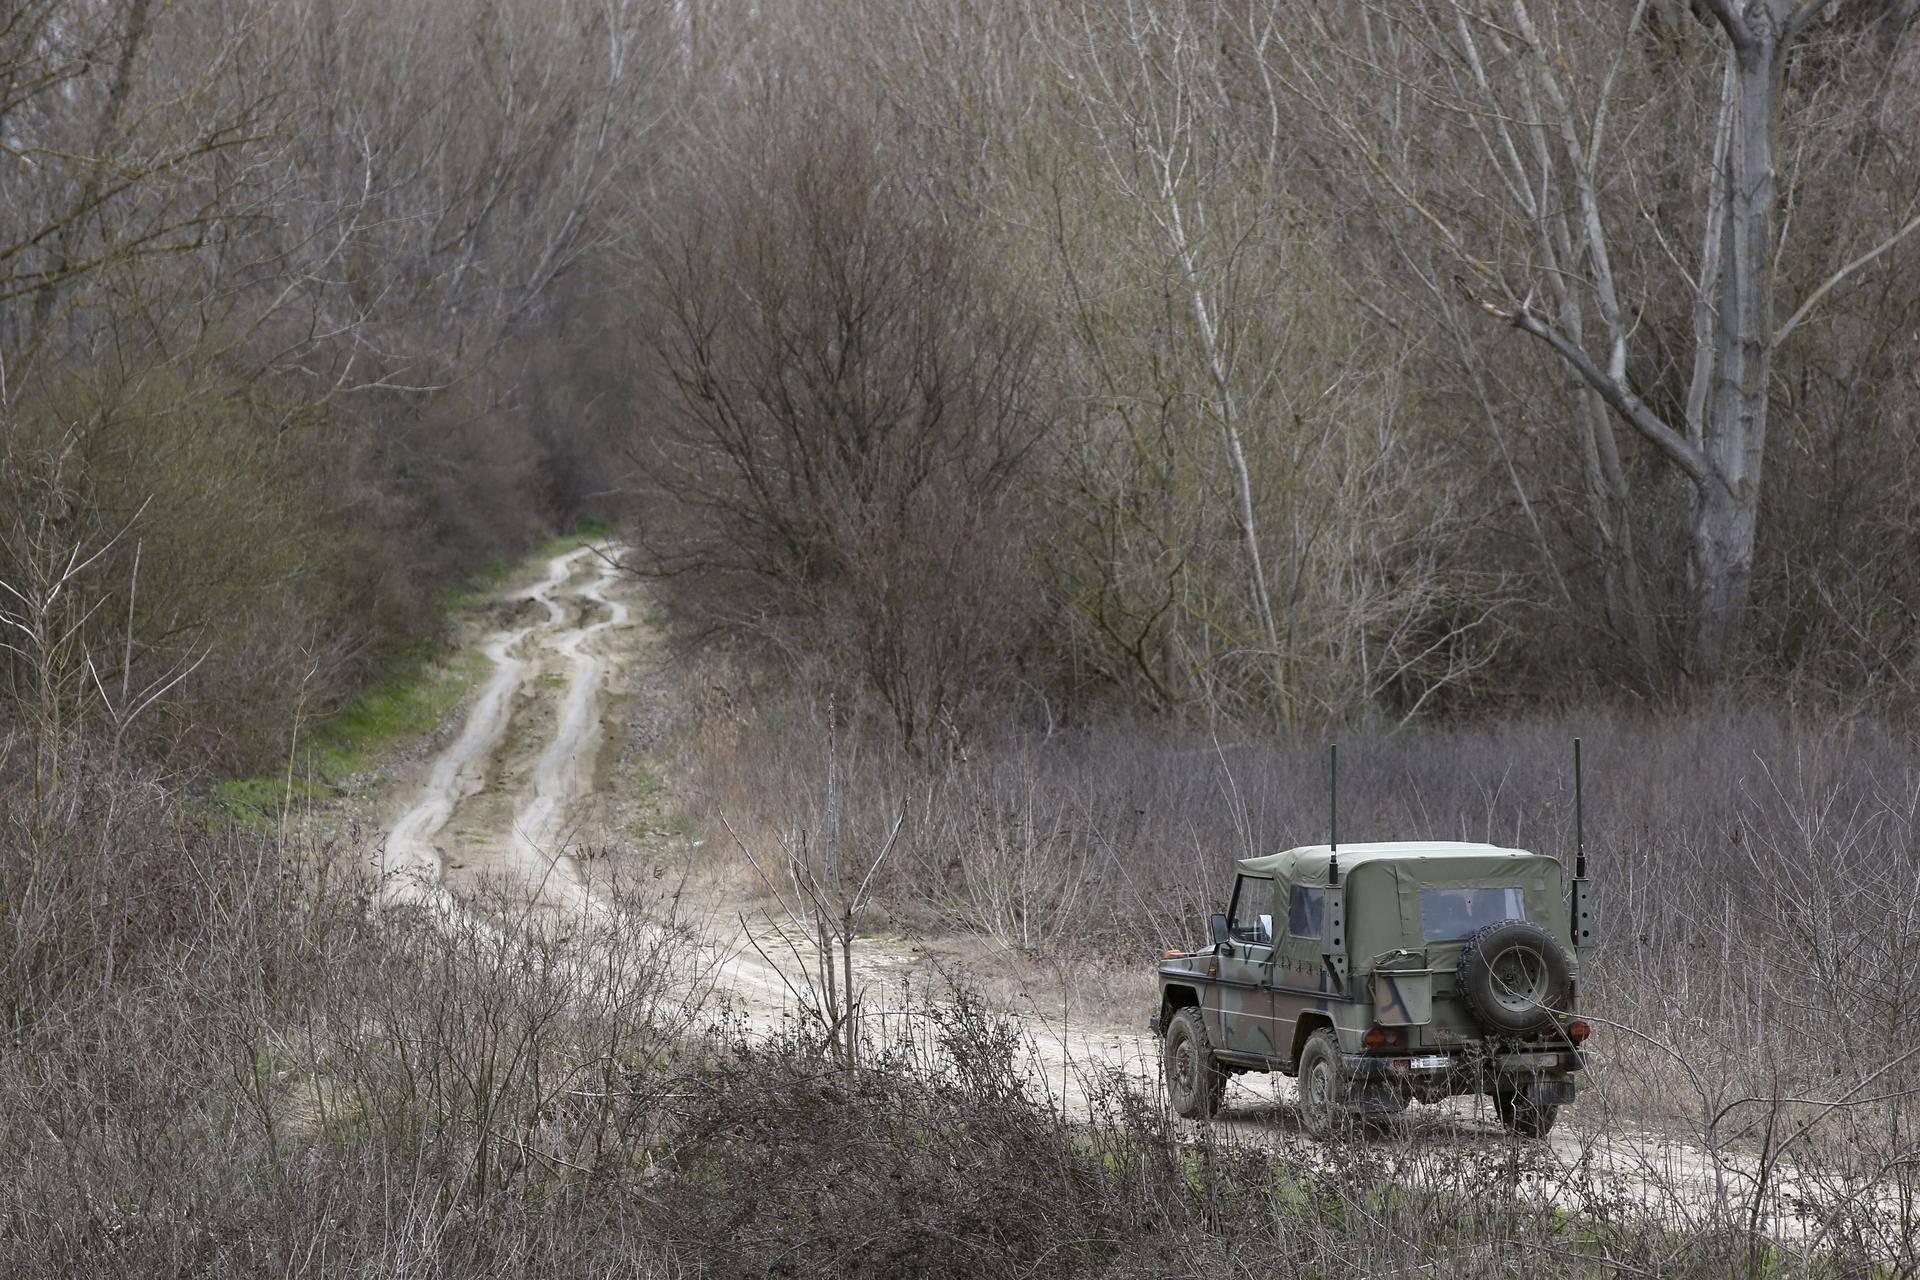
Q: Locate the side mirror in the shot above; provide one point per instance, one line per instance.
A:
(1217, 925)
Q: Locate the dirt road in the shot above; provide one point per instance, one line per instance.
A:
(499, 809)
(504, 811)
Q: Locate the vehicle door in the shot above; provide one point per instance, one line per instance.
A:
(1297, 966)
(1246, 970)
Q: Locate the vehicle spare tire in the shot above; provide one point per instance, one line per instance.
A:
(1514, 976)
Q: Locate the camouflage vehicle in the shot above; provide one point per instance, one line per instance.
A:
(1382, 973)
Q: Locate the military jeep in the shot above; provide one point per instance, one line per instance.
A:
(1383, 973)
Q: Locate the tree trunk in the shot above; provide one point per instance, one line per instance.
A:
(1719, 570)
(1727, 499)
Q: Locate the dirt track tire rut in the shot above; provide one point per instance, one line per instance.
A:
(544, 657)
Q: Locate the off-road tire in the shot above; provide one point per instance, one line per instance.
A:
(1522, 1118)
(1513, 976)
(1323, 1087)
(1195, 1081)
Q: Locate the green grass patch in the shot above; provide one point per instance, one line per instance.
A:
(419, 690)
(249, 802)
(416, 691)
(412, 700)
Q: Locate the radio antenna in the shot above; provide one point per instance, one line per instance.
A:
(1333, 813)
(1581, 923)
(1579, 819)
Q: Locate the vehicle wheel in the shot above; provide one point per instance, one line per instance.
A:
(1527, 1119)
(1323, 1086)
(1514, 976)
(1195, 1082)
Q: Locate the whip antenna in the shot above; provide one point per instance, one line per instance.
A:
(1579, 819)
(1581, 903)
(1333, 813)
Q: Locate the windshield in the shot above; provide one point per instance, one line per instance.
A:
(1455, 913)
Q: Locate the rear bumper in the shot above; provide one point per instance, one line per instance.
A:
(1548, 1061)
(1545, 1076)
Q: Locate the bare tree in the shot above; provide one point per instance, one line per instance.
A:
(1227, 386)
(848, 404)
(1536, 169)
(1149, 106)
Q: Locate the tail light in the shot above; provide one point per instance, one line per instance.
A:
(1382, 1037)
(1577, 1031)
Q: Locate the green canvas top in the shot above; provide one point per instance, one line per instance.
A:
(1386, 881)
(1448, 858)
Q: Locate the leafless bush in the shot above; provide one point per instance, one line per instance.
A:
(1021, 872)
(221, 1060)
(823, 884)
(848, 403)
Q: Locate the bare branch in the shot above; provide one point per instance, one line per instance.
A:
(1622, 401)
(1828, 285)
(1731, 22)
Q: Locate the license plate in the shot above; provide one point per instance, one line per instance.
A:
(1440, 1061)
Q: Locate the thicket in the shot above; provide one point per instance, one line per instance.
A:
(977, 362)
(294, 340)
(1405, 362)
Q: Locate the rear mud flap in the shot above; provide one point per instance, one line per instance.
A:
(1373, 1099)
(1547, 1091)
(1370, 1091)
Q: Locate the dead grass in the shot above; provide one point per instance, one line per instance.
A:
(1758, 873)
(226, 1063)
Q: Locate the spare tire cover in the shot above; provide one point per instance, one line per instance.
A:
(1514, 976)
